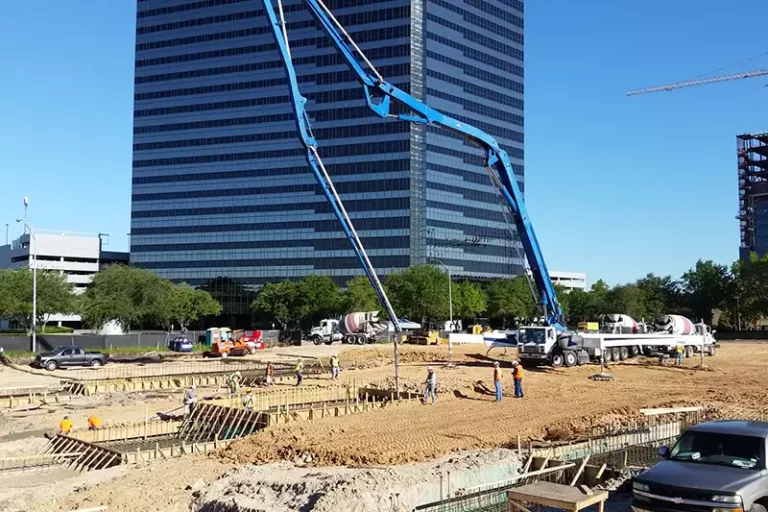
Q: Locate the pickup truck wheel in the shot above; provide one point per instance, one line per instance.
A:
(557, 360)
(758, 508)
(96, 363)
(571, 359)
(51, 365)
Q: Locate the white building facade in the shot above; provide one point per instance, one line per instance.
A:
(569, 280)
(77, 255)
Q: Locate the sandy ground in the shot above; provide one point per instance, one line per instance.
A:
(558, 404)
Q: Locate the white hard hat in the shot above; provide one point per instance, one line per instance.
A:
(515, 363)
(496, 363)
(430, 369)
(192, 387)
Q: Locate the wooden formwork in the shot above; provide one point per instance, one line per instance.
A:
(173, 450)
(89, 456)
(144, 430)
(34, 398)
(209, 422)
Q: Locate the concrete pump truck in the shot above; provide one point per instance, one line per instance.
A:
(550, 343)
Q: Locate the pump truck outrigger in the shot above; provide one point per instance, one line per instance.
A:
(380, 96)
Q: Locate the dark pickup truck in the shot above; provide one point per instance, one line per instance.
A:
(718, 466)
(65, 357)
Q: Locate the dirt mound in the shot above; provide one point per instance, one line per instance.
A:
(283, 487)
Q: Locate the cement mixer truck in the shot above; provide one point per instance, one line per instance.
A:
(620, 338)
(358, 328)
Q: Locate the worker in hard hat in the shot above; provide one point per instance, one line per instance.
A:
(430, 382)
(299, 372)
(65, 426)
(334, 367)
(248, 400)
(268, 373)
(190, 399)
(517, 376)
(497, 380)
(94, 423)
(234, 383)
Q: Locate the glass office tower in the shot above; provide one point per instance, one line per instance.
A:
(222, 196)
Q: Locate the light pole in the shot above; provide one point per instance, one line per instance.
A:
(450, 310)
(33, 265)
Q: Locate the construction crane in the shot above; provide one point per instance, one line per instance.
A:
(700, 81)
(380, 96)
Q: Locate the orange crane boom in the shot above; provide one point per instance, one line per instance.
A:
(701, 81)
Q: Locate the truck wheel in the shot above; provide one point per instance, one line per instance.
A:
(711, 350)
(317, 340)
(557, 360)
(616, 354)
(95, 363)
(51, 365)
(360, 340)
(623, 353)
(252, 350)
(634, 351)
(757, 508)
(224, 355)
(607, 355)
(570, 357)
(689, 351)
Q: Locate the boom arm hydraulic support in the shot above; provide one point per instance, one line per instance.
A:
(379, 96)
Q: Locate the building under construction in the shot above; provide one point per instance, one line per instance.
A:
(753, 193)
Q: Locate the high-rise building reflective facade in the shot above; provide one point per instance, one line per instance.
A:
(222, 195)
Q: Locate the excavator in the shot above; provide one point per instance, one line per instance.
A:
(384, 99)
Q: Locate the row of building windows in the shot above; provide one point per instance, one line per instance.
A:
(339, 132)
(224, 70)
(212, 123)
(480, 39)
(378, 166)
(318, 263)
(217, 36)
(468, 158)
(204, 4)
(479, 249)
(330, 226)
(495, 95)
(480, 21)
(492, 129)
(496, 12)
(219, 105)
(478, 108)
(478, 56)
(209, 89)
(470, 230)
(320, 244)
(364, 148)
(208, 20)
(474, 72)
(469, 194)
(469, 211)
(342, 188)
(515, 4)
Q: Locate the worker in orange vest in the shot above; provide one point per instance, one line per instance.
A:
(65, 425)
(517, 375)
(497, 380)
(94, 423)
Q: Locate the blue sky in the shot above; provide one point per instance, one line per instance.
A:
(616, 186)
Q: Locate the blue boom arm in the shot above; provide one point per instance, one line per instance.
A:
(379, 96)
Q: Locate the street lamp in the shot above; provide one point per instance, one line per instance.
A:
(33, 265)
(450, 309)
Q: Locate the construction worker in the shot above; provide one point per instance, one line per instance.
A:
(269, 371)
(299, 372)
(517, 376)
(248, 400)
(497, 380)
(430, 382)
(190, 399)
(234, 383)
(94, 423)
(679, 349)
(65, 425)
(334, 367)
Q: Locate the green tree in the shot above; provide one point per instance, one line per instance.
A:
(282, 301)
(749, 300)
(360, 295)
(55, 295)
(511, 300)
(126, 295)
(661, 295)
(320, 298)
(469, 300)
(183, 304)
(419, 292)
(627, 299)
(706, 286)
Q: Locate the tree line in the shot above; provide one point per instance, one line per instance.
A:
(134, 297)
(128, 296)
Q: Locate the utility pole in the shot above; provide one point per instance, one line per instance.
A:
(33, 266)
(6, 233)
(450, 309)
